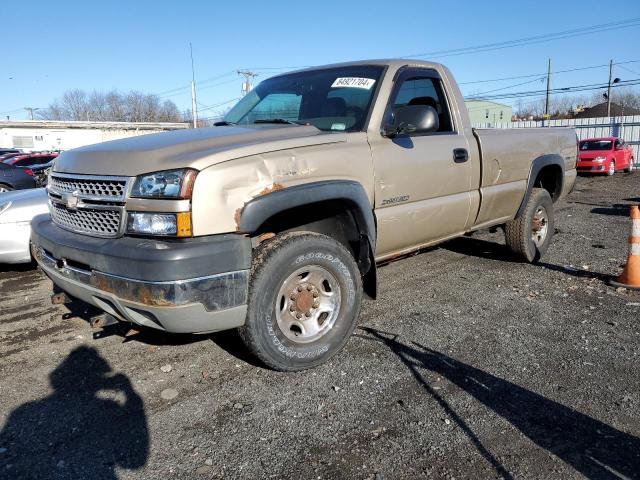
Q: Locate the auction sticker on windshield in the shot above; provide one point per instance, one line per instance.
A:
(353, 82)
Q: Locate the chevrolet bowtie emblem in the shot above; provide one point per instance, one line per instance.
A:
(71, 200)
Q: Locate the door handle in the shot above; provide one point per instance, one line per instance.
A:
(460, 155)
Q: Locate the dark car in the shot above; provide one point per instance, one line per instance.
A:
(6, 156)
(15, 178)
(29, 159)
(9, 150)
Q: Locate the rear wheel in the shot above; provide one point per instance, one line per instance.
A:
(529, 235)
(304, 300)
(612, 168)
(5, 188)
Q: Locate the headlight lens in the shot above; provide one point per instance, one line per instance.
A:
(165, 184)
(164, 224)
(599, 159)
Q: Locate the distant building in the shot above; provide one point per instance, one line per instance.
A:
(483, 111)
(600, 110)
(38, 135)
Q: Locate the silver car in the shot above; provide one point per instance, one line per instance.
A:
(17, 209)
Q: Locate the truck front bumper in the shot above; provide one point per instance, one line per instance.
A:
(194, 286)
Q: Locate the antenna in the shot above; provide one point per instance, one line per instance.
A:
(194, 109)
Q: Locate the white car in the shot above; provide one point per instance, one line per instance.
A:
(17, 209)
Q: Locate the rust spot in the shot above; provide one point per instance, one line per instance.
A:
(276, 187)
(264, 236)
(236, 218)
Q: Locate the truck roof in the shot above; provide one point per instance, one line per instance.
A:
(388, 62)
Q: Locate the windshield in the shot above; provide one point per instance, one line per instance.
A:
(595, 145)
(335, 99)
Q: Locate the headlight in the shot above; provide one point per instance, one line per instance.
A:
(165, 184)
(164, 224)
(599, 159)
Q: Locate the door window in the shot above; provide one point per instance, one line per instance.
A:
(424, 91)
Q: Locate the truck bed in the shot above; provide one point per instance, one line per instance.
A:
(506, 157)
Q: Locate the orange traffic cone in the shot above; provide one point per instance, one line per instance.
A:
(630, 277)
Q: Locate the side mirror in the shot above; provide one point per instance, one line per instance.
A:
(413, 119)
(618, 147)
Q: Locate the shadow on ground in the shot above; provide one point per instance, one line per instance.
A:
(495, 251)
(229, 340)
(593, 448)
(92, 423)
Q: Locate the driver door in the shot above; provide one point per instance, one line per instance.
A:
(422, 181)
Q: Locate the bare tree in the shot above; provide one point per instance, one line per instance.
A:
(111, 106)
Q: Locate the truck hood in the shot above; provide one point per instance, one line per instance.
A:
(196, 148)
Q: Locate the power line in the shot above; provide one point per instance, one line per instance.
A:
(571, 89)
(530, 40)
(471, 97)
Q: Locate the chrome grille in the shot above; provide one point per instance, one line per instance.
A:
(97, 222)
(90, 187)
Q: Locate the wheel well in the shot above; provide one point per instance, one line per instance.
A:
(332, 218)
(550, 178)
(336, 219)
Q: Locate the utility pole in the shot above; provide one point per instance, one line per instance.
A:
(546, 103)
(194, 108)
(31, 110)
(609, 88)
(246, 85)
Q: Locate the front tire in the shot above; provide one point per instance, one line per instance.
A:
(304, 300)
(5, 188)
(612, 168)
(529, 235)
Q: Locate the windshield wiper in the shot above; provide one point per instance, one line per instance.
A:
(277, 120)
(224, 123)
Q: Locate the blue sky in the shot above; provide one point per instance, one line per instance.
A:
(51, 47)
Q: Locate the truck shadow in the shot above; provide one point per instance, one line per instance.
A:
(617, 210)
(494, 251)
(593, 448)
(229, 340)
(90, 425)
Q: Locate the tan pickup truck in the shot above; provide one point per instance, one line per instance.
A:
(273, 220)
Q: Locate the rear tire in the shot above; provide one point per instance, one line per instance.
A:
(612, 168)
(304, 300)
(529, 235)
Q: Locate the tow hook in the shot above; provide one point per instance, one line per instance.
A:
(102, 320)
(60, 298)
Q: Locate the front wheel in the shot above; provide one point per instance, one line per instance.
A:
(5, 188)
(304, 301)
(529, 234)
(612, 168)
(629, 167)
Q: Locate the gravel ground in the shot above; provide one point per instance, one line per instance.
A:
(470, 365)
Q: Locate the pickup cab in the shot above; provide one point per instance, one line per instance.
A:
(274, 220)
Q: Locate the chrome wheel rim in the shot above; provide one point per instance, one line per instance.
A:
(308, 304)
(612, 168)
(540, 226)
(4, 189)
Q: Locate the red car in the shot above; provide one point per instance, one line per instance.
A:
(604, 155)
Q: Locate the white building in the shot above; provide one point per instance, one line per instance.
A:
(38, 135)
